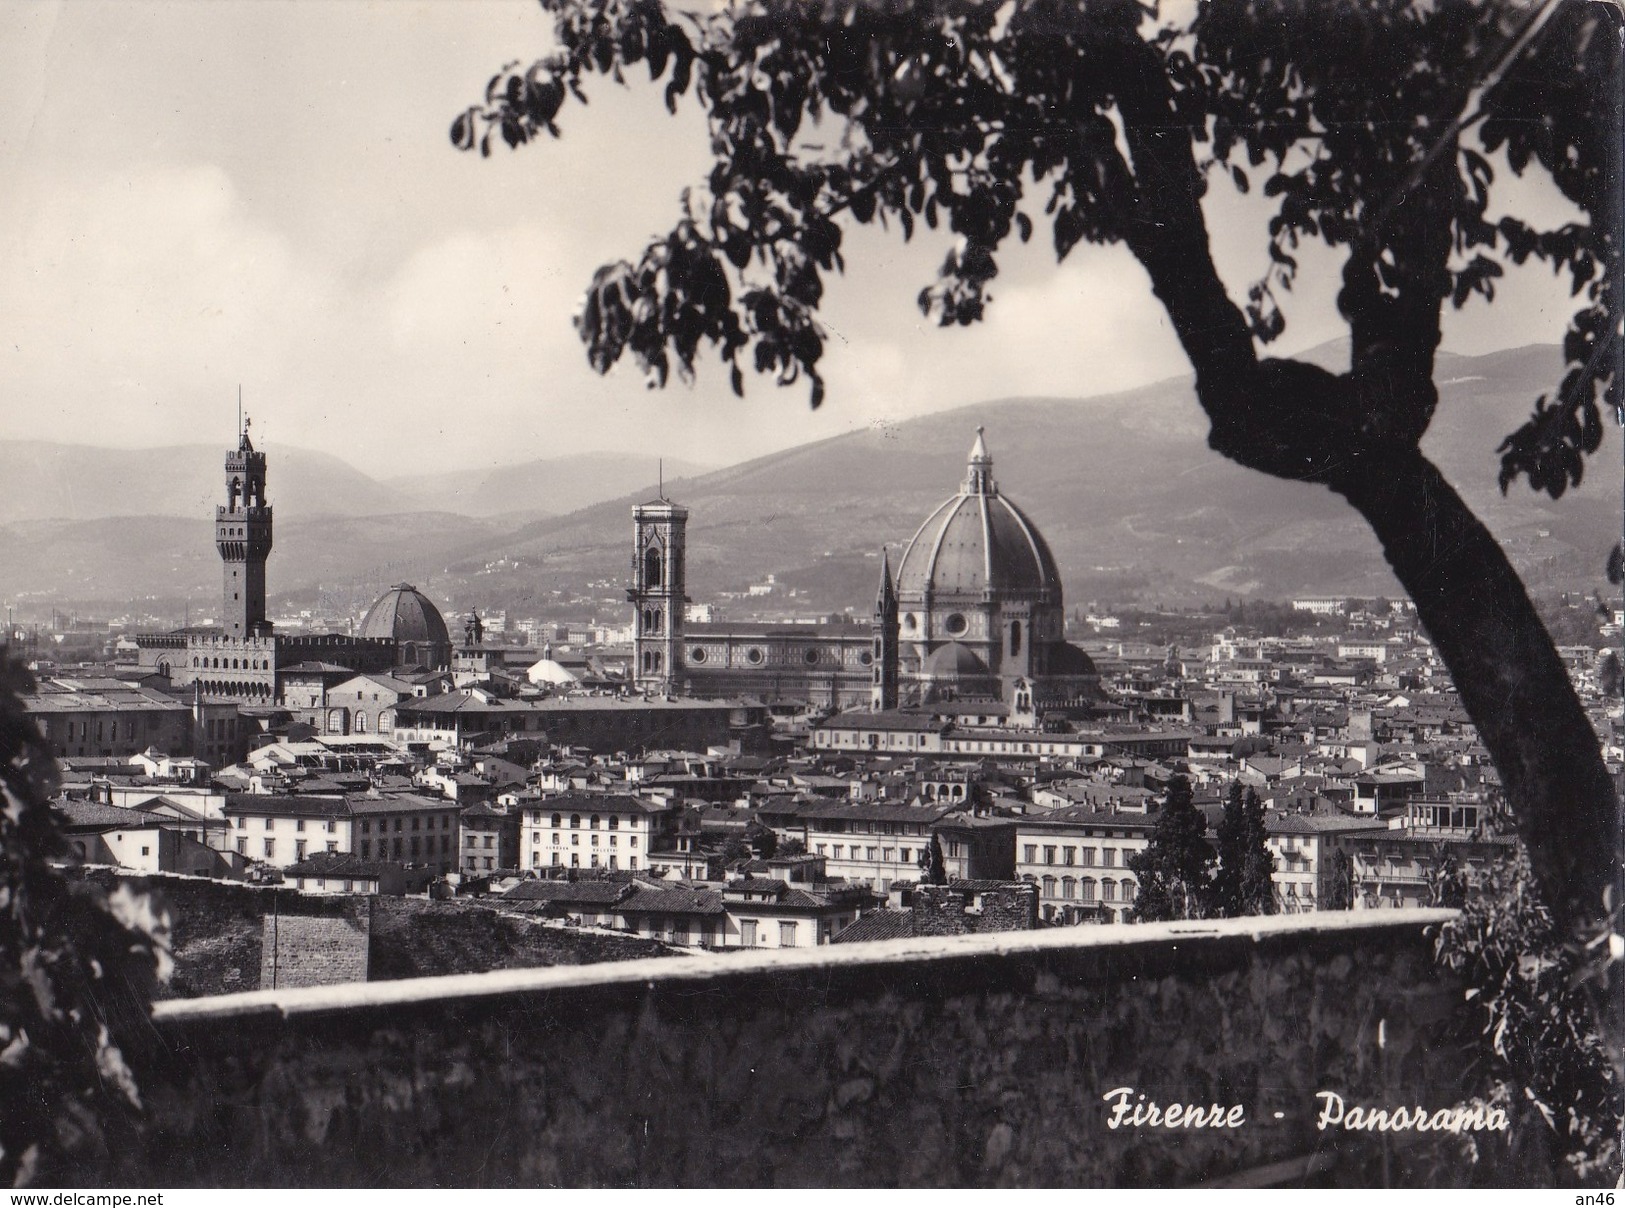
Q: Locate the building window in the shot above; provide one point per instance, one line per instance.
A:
(1086, 889)
(270, 848)
(1030, 853)
(787, 935)
(1049, 887)
(1108, 890)
(1069, 887)
(1049, 855)
(747, 933)
(1069, 855)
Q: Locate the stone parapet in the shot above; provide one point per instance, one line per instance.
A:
(968, 1060)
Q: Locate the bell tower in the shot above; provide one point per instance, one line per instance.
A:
(659, 553)
(242, 534)
(883, 685)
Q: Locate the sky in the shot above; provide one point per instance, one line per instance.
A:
(199, 196)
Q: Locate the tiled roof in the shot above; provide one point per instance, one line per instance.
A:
(338, 864)
(672, 901)
(396, 803)
(93, 815)
(597, 893)
(879, 925)
(287, 806)
(872, 811)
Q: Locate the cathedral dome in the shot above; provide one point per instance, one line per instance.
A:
(978, 542)
(407, 615)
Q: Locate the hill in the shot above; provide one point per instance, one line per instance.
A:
(551, 486)
(1132, 501)
(44, 480)
(170, 559)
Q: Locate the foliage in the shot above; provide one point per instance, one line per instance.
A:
(948, 113)
(1175, 869)
(77, 971)
(793, 847)
(933, 870)
(1107, 123)
(1448, 883)
(1528, 988)
(1340, 895)
(764, 841)
(1242, 883)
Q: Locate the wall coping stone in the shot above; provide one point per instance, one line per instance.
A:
(291, 1003)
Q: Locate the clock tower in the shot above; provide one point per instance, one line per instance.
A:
(242, 534)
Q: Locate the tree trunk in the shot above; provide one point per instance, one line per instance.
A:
(1358, 434)
(1511, 681)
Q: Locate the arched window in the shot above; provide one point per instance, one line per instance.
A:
(557, 821)
(592, 823)
(1128, 891)
(651, 567)
(1069, 887)
(360, 723)
(1049, 887)
(575, 821)
(1086, 889)
(1108, 890)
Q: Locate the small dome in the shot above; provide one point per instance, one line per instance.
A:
(954, 661)
(1067, 659)
(547, 671)
(407, 615)
(977, 542)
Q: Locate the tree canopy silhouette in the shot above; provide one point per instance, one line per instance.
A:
(77, 971)
(1385, 130)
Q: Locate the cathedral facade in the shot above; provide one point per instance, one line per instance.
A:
(975, 613)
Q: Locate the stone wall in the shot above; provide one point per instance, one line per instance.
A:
(974, 909)
(974, 1060)
(314, 951)
(221, 932)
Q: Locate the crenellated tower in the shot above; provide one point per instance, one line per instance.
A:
(883, 693)
(659, 551)
(242, 534)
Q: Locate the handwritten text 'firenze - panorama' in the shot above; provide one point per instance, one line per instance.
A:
(1131, 1109)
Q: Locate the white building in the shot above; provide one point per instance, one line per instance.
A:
(593, 830)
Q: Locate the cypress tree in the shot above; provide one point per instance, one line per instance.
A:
(1242, 885)
(933, 869)
(1174, 871)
